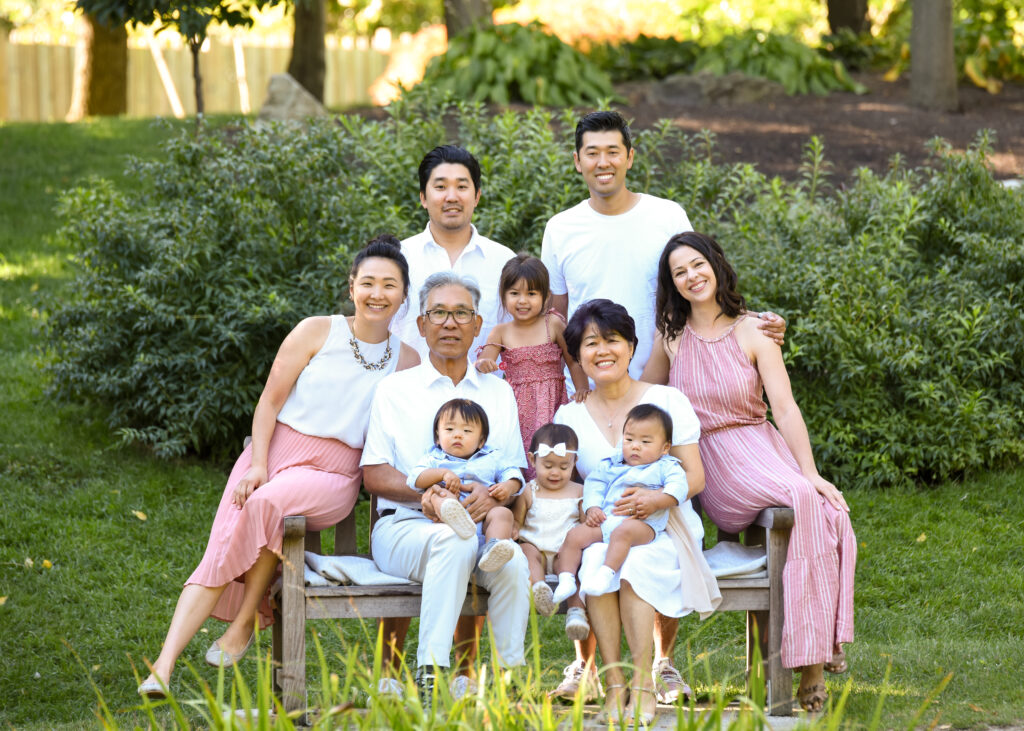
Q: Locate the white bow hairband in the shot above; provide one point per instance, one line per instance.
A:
(543, 450)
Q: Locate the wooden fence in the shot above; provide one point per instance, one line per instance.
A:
(36, 79)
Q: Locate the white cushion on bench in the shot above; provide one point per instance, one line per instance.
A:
(324, 570)
(734, 560)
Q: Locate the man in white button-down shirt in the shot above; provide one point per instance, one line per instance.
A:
(408, 543)
(449, 178)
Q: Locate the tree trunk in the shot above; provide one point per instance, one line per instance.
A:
(308, 64)
(460, 15)
(852, 14)
(101, 71)
(196, 45)
(932, 64)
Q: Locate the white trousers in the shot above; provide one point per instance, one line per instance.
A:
(431, 553)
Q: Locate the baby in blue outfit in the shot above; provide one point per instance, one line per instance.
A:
(460, 455)
(644, 463)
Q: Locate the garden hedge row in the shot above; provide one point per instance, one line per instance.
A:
(903, 292)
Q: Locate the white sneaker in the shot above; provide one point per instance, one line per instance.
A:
(456, 517)
(543, 600)
(462, 686)
(389, 687)
(668, 682)
(576, 625)
(496, 554)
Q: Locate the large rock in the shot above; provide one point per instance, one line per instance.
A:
(288, 100)
(703, 89)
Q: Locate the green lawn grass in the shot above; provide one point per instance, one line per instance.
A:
(940, 583)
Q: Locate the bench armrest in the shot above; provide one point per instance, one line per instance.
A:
(775, 519)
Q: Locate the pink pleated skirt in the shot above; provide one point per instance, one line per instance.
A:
(311, 476)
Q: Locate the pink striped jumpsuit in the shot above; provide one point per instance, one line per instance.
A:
(747, 467)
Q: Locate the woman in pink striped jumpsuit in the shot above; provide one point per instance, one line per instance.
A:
(711, 350)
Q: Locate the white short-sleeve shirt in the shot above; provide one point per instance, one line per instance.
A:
(482, 259)
(403, 410)
(590, 255)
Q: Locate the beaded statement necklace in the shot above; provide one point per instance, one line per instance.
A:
(379, 365)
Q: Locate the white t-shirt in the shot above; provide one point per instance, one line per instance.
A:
(590, 255)
(482, 259)
(401, 426)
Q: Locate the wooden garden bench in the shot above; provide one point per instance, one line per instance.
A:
(760, 598)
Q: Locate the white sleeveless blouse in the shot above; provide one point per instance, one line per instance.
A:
(331, 397)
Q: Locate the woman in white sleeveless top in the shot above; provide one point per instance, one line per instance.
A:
(307, 436)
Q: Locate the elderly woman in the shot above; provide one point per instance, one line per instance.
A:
(659, 576)
(307, 437)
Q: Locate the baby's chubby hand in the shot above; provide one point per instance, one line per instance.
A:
(594, 517)
(501, 491)
(451, 482)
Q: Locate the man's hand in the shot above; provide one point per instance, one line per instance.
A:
(772, 326)
(425, 501)
(595, 516)
(479, 501)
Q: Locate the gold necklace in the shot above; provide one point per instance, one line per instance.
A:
(614, 416)
(379, 365)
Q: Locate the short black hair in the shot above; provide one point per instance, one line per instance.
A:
(603, 122)
(552, 434)
(607, 316)
(384, 246)
(643, 412)
(463, 408)
(450, 154)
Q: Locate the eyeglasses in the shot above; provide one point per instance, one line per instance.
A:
(440, 317)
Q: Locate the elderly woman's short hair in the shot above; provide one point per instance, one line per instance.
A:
(449, 278)
(608, 317)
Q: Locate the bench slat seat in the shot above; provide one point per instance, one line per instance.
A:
(760, 597)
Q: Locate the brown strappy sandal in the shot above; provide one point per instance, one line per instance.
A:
(813, 699)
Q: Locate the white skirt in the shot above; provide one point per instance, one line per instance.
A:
(654, 573)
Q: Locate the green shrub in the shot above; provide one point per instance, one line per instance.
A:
(902, 292)
(522, 63)
(646, 57)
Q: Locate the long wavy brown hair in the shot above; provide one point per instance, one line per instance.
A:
(672, 309)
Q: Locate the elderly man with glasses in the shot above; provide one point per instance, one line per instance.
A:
(407, 541)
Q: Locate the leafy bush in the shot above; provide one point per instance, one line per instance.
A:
(646, 57)
(513, 62)
(903, 292)
(798, 67)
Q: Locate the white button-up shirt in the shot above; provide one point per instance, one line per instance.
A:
(482, 259)
(402, 414)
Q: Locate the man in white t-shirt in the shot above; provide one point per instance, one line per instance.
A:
(406, 541)
(449, 178)
(608, 246)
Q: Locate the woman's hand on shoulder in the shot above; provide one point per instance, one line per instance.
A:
(251, 480)
(830, 492)
(581, 395)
